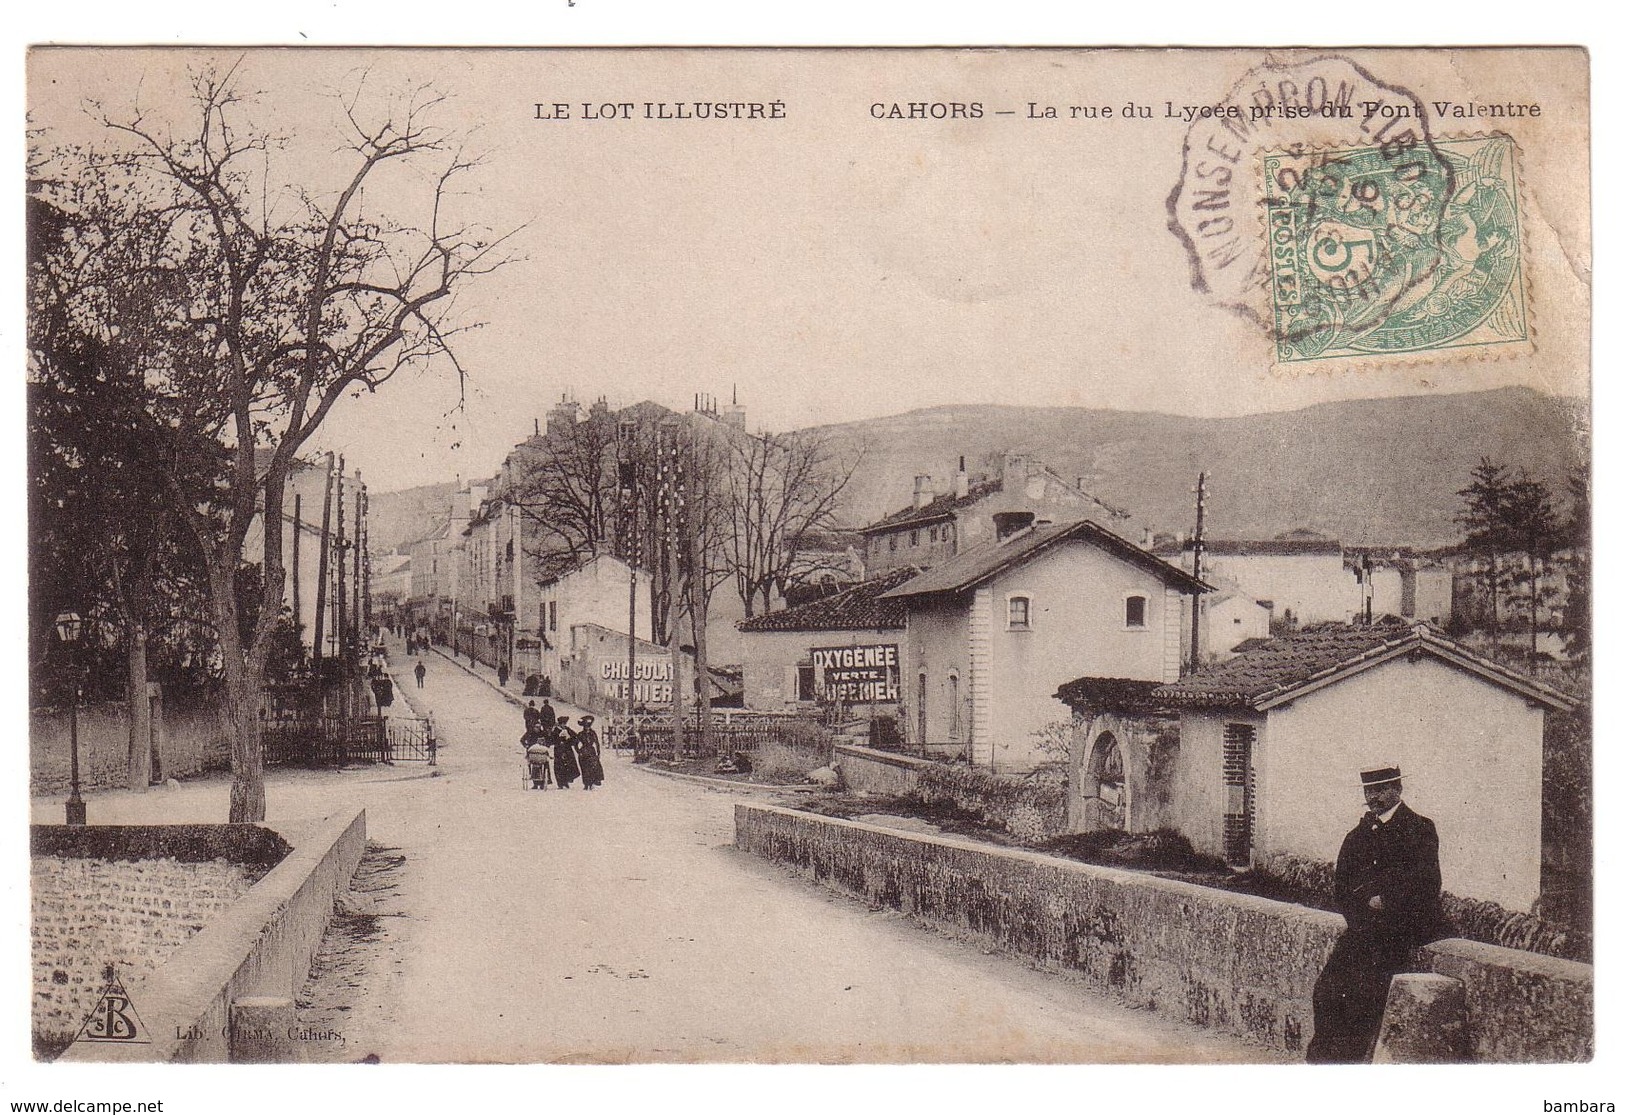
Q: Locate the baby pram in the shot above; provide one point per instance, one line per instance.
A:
(538, 765)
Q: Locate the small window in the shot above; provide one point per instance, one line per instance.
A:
(914, 537)
(552, 615)
(893, 541)
(804, 684)
(1021, 613)
(1134, 611)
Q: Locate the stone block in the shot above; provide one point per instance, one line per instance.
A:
(1424, 1022)
(261, 1030)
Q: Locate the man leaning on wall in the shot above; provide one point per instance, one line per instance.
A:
(1387, 889)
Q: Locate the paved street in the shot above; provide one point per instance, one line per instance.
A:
(621, 925)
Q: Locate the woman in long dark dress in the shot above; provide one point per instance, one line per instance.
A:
(565, 766)
(591, 763)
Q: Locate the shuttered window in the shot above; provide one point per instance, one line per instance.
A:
(1238, 786)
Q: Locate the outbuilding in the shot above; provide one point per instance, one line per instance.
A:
(1270, 743)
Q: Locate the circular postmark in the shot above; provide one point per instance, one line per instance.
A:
(1314, 202)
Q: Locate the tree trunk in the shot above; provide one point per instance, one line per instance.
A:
(244, 698)
(1534, 617)
(1495, 589)
(138, 768)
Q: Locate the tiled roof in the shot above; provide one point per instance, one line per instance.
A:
(977, 564)
(940, 508)
(1129, 695)
(1271, 670)
(857, 608)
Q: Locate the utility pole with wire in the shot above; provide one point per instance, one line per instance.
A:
(1196, 571)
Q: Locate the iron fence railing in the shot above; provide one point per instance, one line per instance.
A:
(335, 741)
(650, 735)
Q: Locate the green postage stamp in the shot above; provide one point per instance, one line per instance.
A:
(1386, 250)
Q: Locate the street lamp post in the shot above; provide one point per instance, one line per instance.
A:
(68, 626)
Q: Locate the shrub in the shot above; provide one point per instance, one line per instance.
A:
(1027, 809)
(807, 735)
(1309, 882)
(784, 763)
(1161, 850)
(884, 734)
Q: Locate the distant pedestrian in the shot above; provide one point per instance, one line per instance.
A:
(420, 672)
(533, 718)
(1386, 885)
(587, 755)
(547, 717)
(565, 765)
(502, 675)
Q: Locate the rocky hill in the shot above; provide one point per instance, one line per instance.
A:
(405, 516)
(1372, 472)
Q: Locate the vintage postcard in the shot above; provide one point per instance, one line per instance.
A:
(815, 556)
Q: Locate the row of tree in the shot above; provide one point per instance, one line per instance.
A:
(760, 506)
(1516, 529)
(194, 317)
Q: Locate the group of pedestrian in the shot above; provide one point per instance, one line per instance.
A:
(417, 644)
(557, 753)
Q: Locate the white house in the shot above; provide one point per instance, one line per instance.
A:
(1271, 741)
(1230, 618)
(790, 660)
(593, 594)
(1304, 577)
(993, 631)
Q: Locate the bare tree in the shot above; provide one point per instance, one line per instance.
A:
(296, 299)
(784, 491)
(568, 483)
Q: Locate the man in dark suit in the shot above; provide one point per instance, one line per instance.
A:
(1387, 889)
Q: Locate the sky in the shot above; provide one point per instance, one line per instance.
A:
(827, 266)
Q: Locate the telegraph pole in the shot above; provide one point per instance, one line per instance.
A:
(1196, 571)
(321, 562)
(298, 616)
(629, 522)
(671, 492)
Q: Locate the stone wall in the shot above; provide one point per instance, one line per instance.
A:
(194, 740)
(261, 946)
(1234, 962)
(877, 772)
(88, 913)
(1027, 807)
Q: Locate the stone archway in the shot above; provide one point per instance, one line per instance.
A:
(1105, 785)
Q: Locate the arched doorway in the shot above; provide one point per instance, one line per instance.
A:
(1105, 788)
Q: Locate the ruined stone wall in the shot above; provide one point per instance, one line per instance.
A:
(1234, 962)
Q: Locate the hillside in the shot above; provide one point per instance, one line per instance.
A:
(405, 516)
(1381, 471)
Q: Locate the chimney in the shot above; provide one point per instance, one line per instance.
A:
(922, 491)
(536, 427)
(1014, 476)
(734, 415)
(1146, 540)
(563, 417)
(1007, 523)
(961, 480)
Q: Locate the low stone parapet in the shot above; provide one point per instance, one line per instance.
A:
(869, 771)
(1234, 962)
(261, 946)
